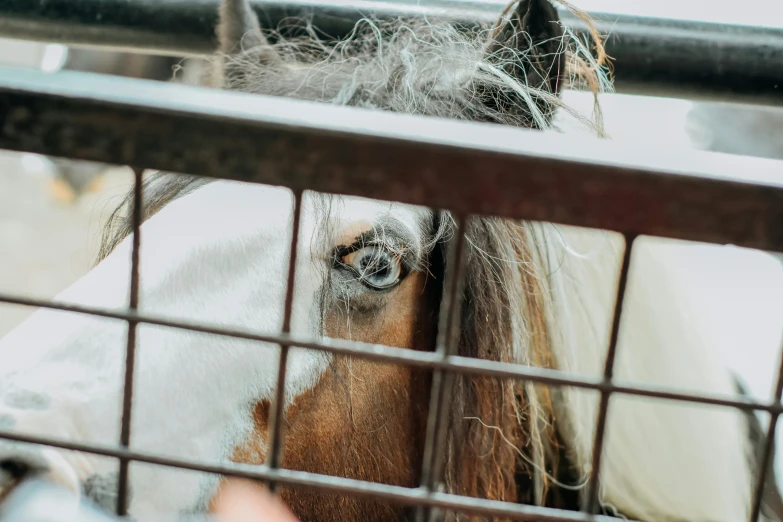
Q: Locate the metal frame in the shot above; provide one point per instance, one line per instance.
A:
(651, 56)
(491, 170)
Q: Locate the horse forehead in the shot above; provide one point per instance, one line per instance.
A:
(357, 215)
(224, 206)
(242, 207)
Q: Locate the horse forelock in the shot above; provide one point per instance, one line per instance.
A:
(158, 190)
(500, 73)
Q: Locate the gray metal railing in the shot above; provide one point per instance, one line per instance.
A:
(651, 56)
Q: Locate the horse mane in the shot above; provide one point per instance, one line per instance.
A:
(426, 67)
(158, 190)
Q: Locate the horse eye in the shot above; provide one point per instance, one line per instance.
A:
(376, 267)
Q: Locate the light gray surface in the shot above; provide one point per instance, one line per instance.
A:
(46, 242)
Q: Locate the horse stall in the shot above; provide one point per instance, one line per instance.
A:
(393, 261)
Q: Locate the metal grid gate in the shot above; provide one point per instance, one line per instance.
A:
(397, 158)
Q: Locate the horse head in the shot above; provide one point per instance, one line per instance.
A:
(371, 271)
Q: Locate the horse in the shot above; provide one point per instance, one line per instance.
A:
(535, 294)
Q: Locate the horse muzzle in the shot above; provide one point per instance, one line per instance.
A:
(38, 485)
(24, 470)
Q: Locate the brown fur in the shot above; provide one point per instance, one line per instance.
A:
(363, 420)
(480, 463)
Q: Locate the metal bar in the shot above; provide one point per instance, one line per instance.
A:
(689, 58)
(130, 352)
(445, 345)
(592, 491)
(277, 413)
(699, 60)
(455, 363)
(468, 168)
(327, 483)
(450, 348)
(769, 445)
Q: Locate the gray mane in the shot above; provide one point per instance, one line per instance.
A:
(425, 67)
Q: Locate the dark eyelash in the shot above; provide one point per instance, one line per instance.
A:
(363, 242)
(406, 264)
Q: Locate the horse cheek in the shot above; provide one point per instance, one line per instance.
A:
(365, 420)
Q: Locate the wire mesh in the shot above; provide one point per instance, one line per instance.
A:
(419, 496)
(443, 361)
(766, 456)
(430, 360)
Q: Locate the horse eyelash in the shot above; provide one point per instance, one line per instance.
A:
(407, 264)
(397, 249)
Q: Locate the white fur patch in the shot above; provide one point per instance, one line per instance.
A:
(662, 460)
(218, 255)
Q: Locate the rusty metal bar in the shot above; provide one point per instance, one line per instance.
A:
(277, 413)
(592, 491)
(683, 58)
(766, 456)
(455, 363)
(327, 483)
(130, 352)
(445, 345)
(450, 348)
(468, 168)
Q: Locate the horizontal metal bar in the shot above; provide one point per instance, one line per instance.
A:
(698, 60)
(430, 360)
(466, 167)
(650, 55)
(408, 496)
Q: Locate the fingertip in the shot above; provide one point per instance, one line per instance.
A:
(245, 501)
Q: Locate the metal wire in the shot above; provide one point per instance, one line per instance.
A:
(423, 496)
(679, 57)
(445, 345)
(130, 352)
(769, 444)
(454, 363)
(593, 487)
(276, 414)
(327, 483)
